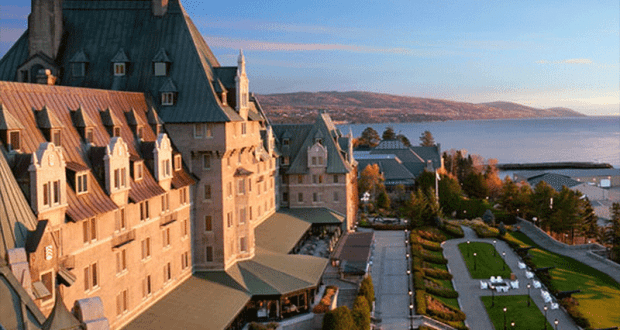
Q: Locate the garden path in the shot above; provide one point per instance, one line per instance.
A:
(470, 292)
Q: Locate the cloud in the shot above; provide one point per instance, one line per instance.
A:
(568, 61)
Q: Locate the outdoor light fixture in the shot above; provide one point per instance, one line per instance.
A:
(556, 322)
(528, 294)
(475, 254)
(467, 248)
(494, 248)
(505, 309)
(410, 293)
(545, 308)
(504, 258)
(408, 272)
(512, 324)
(492, 295)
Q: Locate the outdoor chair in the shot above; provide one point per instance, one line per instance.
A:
(529, 274)
(537, 285)
(514, 284)
(499, 279)
(483, 285)
(554, 306)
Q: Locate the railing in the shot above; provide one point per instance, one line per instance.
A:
(123, 238)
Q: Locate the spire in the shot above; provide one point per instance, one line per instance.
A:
(241, 63)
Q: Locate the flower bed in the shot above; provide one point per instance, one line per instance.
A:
(326, 301)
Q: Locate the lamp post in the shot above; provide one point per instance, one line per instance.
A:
(556, 322)
(494, 248)
(528, 294)
(492, 295)
(475, 254)
(545, 308)
(512, 324)
(504, 258)
(468, 249)
(505, 309)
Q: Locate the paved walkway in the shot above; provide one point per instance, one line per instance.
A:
(389, 275)
(470, 292)
(580, 255)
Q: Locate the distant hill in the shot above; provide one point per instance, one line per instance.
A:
(366, 107)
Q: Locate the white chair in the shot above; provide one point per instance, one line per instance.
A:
(529, 274)
(521, 265)
(537, 285)
(514, 284)
(493, 279)
(483, 285)
(499, 279)
(504, 288)
(554, 306)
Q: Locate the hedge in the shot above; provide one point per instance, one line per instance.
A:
(367, 290)
(339, 319)
(432, 234)
(437, 273)
(361, 313)
(420, 302)
(418, 281)
(431, 246)
(455, 231)
(434, 259)
(442, 292)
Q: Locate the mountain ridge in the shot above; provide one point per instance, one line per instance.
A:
(370, 107)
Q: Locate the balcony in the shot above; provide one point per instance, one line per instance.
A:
(167, 219)
(123, 238)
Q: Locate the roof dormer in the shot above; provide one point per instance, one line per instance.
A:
(221, 91)
(78, 176)
(10, 130)
(116, 162)
(111, 123)
(168, 93)
(135, 123)
(49, 125)
(84, 125)
(162, 161)
(47, 179)
(317, 155)
(161, 63)
(120, 63)
(154, 121)
(79, 63)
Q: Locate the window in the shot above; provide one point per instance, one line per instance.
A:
(146, 248)
(315, 178)
(242, 214)
(91, 277)
(165, 165)
(336, 197)
(229, 189)
(198, 131)
(315, 197)
(147, 286)
(313, 160)
(165, 203)
(208, 131)
(207, 192)
(123, 177)
(117, 178)
(78, 69)
(121, 303)
(46, 194)
(228, 161)
(335, 178)
(286, 141)
(251, 218)
(47, 279)
(56, 140)
(167, 272)
(81, 183)
(242, 244)
(185, 228)
(117, 131)
(167, 98)
(241, 187)
(285, 197)
(183, 196)
(206, 161)
(177, 162)
(250, 184)
(184, 260)
(208, 223)
(121, 220)
(320, 160)
(300, 178)
(165, 237)
(14, 140)
(119, 69)
(320, 178)
(144, 210)
(229, 219)
(244, 128)
(88, 135)
(300, 197)
(137, 171)
(89, 230)
(286, 160)
(160, 69)
(209, 253)
(57, 192)
(121, 261)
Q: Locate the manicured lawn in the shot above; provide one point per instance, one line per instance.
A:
(600, 294)
(517, 311)
(486, 264)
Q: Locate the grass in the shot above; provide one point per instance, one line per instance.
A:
(486, 264)
(516, 310)
(600, 294)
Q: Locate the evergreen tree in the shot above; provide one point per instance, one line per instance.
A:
(404, 140)
(367, 290)
(489, 217)
(361, 313)
(383, 200)
(369, 139)
(508, 197)
(589, 221)
(541, 202)
(389, 134)
(614, 232)
(426, 139)
(338, 319)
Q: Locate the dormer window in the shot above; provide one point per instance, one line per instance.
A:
(56, 137)
(285, 160)
(161, 63)
(139, 132)
(286, 142)
(78, 64)
(81, 183)
(14, 140)
(161, 69)
(178, 163)
(119, 69)
(117, 131)
(167, 98)
(88, 135)
(137, 171)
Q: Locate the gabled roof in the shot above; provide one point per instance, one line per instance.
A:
(153, 117)
(303, 137)
(120, 57)
(133, 118)
(161, 56)
(79, 57)
(16, 305)
(108, 118)
(60, 318)
(46, 119)
(391, 167)
(81, 119)
(556, 181)
(7, 121)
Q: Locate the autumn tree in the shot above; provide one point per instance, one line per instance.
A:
(338, 319)
(426, 139)
(369, 139)
(614, 231)
(389, 134)
(492, 181)
(566, 212)
(508, 199)
(404, 140)
(371, 180)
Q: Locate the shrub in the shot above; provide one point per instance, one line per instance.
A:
(455, 231)
(258, 326)
(367, 290)
(339, 319)
(326, 301)
(361, 313)
(417, 264)
(418, 281)
(432, 234)
(420, 302)
(434, 259)
(431, 246)
(437, 273)
(442, 292)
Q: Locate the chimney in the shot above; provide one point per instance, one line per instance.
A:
(159, 7)
(45, 27)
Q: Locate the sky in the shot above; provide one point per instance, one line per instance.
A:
(537, 53)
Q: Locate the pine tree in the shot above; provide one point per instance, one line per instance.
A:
(426, 139)
(589, 220)
(389, 134)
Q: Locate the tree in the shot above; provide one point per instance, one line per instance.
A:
(541, 202)
(367, 289)
(389, 134)
(449, 194)
(474, 186)
(383, 200)
(425, 180)
(614, 231)
(404, 140)
(589, 227)
(566, 212)
(507, 199)
(426, 139)
(502, 229)
(369, 138)
(489, 217)
(370, 180)
(361, 313)
(339, 319)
